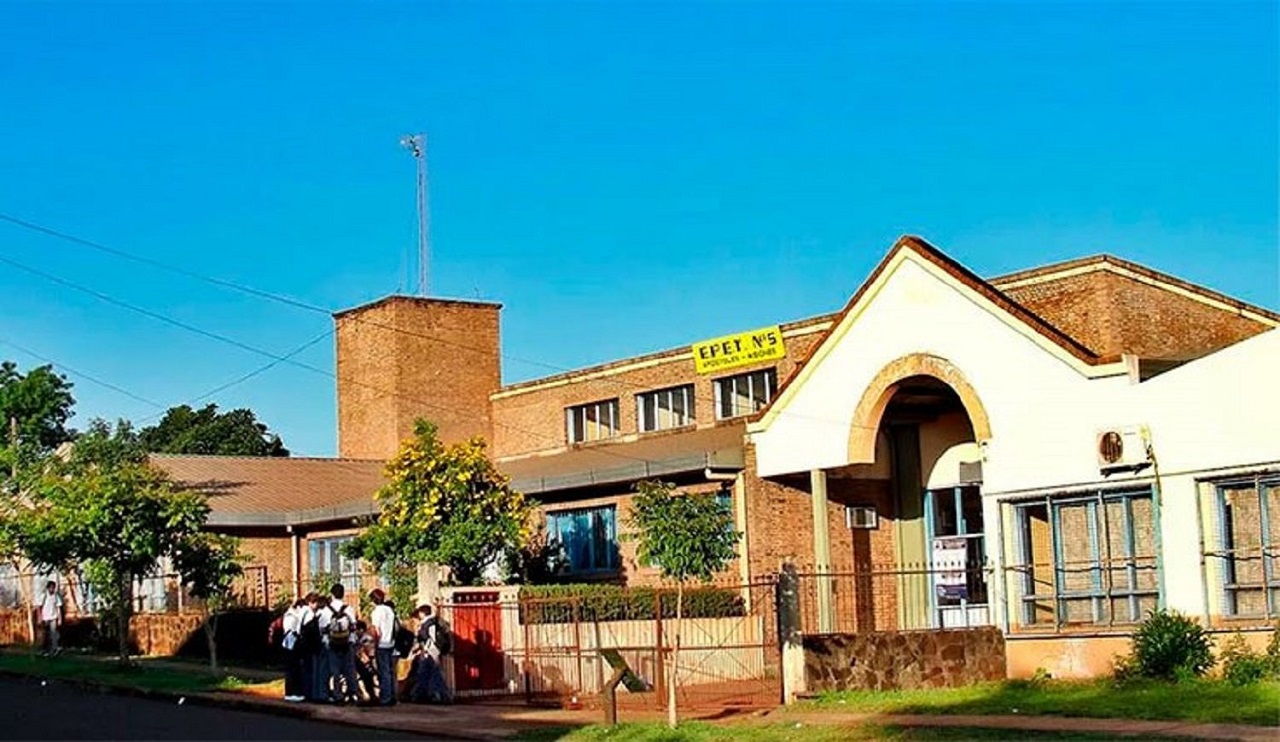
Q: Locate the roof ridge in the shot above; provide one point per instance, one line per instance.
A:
(308, 459)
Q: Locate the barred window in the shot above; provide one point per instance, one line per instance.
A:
(592, 422)
(1248, 546)
(1086, 558)
(665, 408)
(745, 393)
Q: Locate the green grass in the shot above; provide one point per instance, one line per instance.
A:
(1205, 701)
(140, 675)
(701, 732)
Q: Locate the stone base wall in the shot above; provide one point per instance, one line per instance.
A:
(893, 660)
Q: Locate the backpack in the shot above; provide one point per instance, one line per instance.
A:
(444, 637)
(340, 630)
(402, 639)
(275, 634)
(309, 637)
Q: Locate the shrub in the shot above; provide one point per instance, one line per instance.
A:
(559, 603)
(1241, 665)
(1168, 646)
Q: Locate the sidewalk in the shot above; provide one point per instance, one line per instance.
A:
(491, 721)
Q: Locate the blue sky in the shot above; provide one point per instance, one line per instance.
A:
(622, 177)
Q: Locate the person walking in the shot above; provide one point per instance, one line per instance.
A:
(382, 622)
(51, 610)
(294, 652)
(339, 624)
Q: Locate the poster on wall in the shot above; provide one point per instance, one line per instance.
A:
(950, 580)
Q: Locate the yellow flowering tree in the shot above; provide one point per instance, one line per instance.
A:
(445, 504)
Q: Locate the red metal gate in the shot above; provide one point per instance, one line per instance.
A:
(478, 660)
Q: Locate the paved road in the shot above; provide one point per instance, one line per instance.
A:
(59, 711)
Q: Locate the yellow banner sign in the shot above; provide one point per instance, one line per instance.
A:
(743, 349)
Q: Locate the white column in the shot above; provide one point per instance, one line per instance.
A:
(822, 549)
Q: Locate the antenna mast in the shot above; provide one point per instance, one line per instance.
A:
(417, 146)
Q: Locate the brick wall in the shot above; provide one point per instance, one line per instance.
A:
(274, 552)
(1111, 313)
(530, 417)
(408, 357)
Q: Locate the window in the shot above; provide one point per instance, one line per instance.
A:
(958, 548)
(1248, 515)
(1086, 558)
(587, 538)
(665, 408)
(326, 558)
(592, 422)
(745, 393)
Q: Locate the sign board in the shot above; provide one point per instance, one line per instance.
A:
(950, 579)
(743, 349)
(630, 680)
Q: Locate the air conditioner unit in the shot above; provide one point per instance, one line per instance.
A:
(861, 517)
(1123, 449)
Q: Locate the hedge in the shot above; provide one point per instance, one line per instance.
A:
(593, 602)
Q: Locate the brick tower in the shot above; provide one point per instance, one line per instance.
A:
(405, 357)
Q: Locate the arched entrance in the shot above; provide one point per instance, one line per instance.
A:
(917, 442)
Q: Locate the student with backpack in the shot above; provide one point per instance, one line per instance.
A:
(434, 641)
(337, 624)
(315, 656)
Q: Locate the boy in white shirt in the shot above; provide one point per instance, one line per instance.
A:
(51, 618)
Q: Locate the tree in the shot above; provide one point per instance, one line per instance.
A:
(34, 410)
(687, 537)
(447, 505)
(209, 565)
(209, 432)
(104, 508)
(35, 405)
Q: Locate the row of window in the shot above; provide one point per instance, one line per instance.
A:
(674, 407)
(1091, 558)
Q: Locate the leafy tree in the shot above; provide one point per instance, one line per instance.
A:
(103, 507)
(39, 402)
(687, 537)
(209, 565)
(447, 505)
(207, 431)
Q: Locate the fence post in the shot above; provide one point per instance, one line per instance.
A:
(790, 638)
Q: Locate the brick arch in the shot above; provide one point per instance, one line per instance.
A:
(870, 409)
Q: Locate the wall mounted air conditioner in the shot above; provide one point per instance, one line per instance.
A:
(1123, 449)
(861, 517)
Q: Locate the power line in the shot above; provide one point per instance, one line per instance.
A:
(276, 357)
(82, 374)
(314, 308)
(241, 379)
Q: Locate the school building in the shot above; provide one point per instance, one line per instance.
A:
(1053, 452)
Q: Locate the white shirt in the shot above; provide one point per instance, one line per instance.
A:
(51, 607)
(385, 622)
(293, 620)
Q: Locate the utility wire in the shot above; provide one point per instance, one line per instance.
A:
(82, 374)
(315, 308)
(276, 357)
